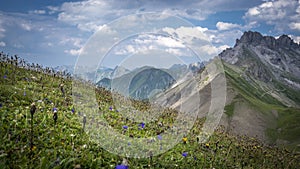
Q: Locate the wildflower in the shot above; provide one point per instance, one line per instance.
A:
(4, 76)
(184, 139)
(24, 94)
(159, 137)
(33, 148)
(54, 110)
(129, 144)
(142, 125)
(185, 154)
(73, 110)
(207, 145)
(121, 166)
(124, 165)
(110, 108)
(125, 127)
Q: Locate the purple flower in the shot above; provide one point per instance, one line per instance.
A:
(159, 137)
(142, 125)
(4, 76)
(185, 154)
(110, 108)
(125, 127)
(129, 144)
(73, 110)
(24, 93)
(121, 166)
(54, 109)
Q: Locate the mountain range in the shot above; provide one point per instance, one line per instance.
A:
(263, 89)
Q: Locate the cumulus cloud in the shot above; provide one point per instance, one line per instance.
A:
(294, 25)
(146, 43)
(188, 34)
(74, 52)
(86, 15)
(2, 44)
(226, 26)
(283, 14)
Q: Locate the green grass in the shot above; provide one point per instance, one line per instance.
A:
(229, 109)
(65, 144)
(288, 120)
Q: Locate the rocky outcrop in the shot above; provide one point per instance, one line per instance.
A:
(255, 39)
(266, 57)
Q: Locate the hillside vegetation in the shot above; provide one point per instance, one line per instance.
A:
(37, 139)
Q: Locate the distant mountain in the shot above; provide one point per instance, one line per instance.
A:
(142, 83)
(149, 82)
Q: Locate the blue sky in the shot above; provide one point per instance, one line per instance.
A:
(54, 32)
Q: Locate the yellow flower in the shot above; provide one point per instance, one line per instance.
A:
(184, 139)
(207, 145)
(33, 148)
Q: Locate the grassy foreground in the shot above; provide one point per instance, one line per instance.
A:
(38, 140)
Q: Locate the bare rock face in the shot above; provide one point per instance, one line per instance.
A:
(266, 57)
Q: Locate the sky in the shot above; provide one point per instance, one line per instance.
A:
(56, 32)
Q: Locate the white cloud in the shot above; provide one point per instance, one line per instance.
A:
(253, 11)
(88, 14)
(226, 26)
(53, 9)
(213, 50)
(74, 52)
(26, 26)
(188, 34)
(169, 42)
(2, 44)
(146, 43)
(295, 38)
(39, 12)
(76, 42)
(278, 13)
(294, 25)
(176, 52)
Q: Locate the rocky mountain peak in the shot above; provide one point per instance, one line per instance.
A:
(250, 38)
(285, 41)
(255, 39)
(266, 57)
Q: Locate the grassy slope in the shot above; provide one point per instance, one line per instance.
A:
(65, 145)
(287, 126)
